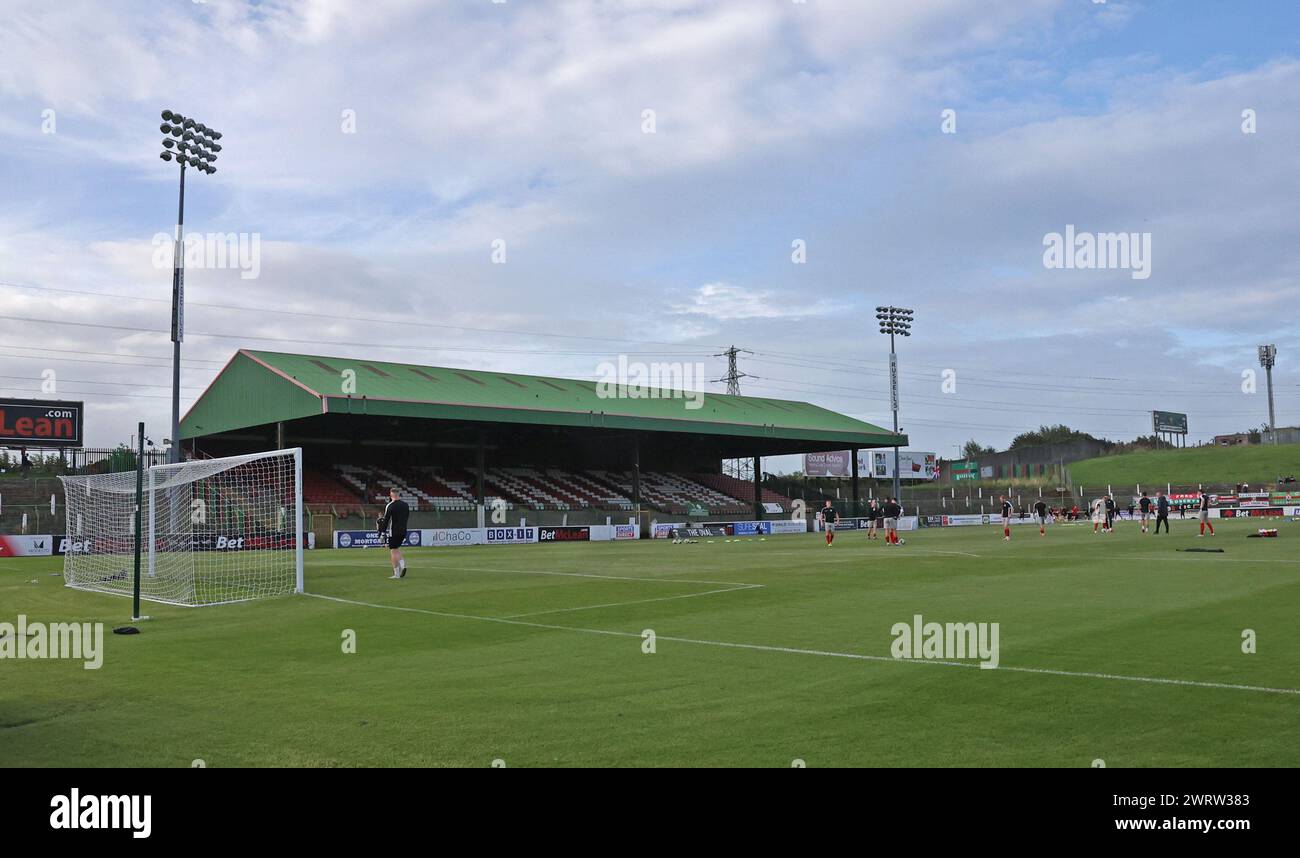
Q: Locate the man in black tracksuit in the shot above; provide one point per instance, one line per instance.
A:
(394, 521)
(1162, 512)
(893, 511)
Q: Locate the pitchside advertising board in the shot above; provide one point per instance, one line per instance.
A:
(456, 536)
(564, 534)
(977, 519)
(26, 546)
(372, 539)
(1253, 512)
(730, 528)
(40, 423)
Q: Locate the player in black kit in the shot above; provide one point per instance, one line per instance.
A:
(1040, 510)
(393, 521)
(1144, 506)
(1162, 512)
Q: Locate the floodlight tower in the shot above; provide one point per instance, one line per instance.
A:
(1268, 357)
(894, 321)
(191, 144)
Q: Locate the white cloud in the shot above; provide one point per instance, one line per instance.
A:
(725, 302)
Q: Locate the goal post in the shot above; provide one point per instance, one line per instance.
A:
(214, 530)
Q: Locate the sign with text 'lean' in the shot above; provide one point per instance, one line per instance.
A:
(40, 423)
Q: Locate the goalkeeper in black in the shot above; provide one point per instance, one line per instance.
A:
(393, 522)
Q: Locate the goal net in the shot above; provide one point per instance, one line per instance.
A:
(214, 530)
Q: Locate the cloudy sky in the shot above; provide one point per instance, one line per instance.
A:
(544, 186)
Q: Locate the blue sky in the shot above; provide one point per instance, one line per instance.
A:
(522, 122)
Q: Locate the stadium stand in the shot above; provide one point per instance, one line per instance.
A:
(741, 490)
(373, 485)
(429, 487)
(437, 434)
(672, 492)
(442, 490)
(321, 489)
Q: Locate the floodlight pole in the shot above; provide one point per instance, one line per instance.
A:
(178, 321)
(893, 397)
(192, 143)
(894, 321)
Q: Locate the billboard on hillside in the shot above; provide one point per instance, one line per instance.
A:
(967, 470)
(1169, 421)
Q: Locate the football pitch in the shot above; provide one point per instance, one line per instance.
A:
(750, 652)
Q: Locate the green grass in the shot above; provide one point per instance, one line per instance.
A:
(1256, 464)
(266, 683)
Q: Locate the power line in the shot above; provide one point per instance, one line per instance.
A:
(333, 318)
(350, 344)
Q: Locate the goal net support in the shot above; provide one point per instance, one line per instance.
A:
(214, 530)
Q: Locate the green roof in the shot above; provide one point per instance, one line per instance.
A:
(256, 388)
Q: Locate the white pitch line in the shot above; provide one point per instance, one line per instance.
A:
(1194, 683)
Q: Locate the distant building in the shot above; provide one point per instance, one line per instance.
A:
(1285, 435)
(1231, 440)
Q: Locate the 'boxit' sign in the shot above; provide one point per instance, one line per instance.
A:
(38, 423)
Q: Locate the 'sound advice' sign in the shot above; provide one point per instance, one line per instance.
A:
(40, 423)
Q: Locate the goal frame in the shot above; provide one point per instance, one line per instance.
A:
(147, 528)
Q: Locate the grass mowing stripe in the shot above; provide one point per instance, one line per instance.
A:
(636, 602)
(1155, 680)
